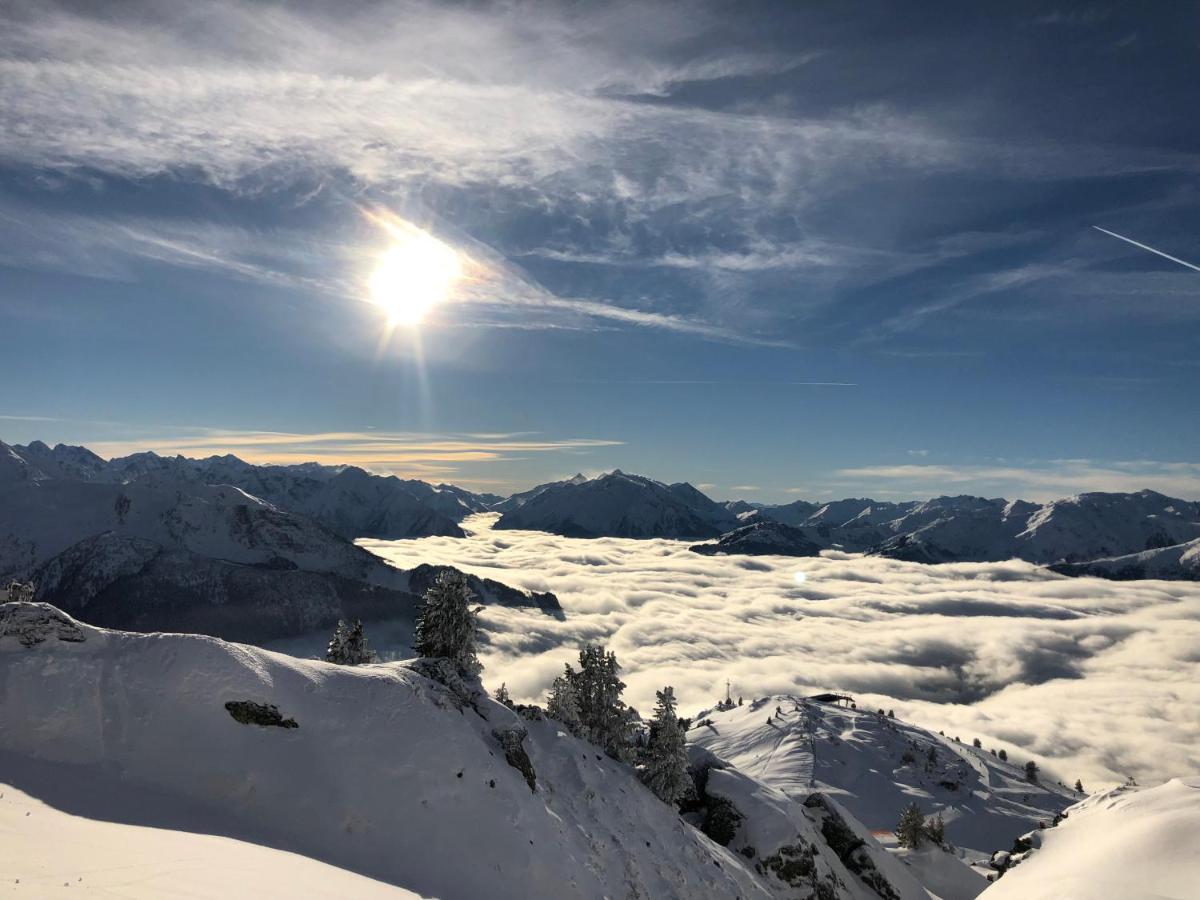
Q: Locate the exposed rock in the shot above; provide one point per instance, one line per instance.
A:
(34, 623)
(250, 713)
(512, 740)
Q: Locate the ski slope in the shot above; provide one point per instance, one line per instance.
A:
(858, 758)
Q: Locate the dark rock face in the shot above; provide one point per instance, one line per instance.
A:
(848, 846)
(34, 623)
(513, 742)
(247, 712)
(485, 590)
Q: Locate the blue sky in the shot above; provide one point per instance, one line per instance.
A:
(779, 250)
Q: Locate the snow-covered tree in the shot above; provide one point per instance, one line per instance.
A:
(348, 646)
(447, 626)
(563, 704)
(500, 695)
(18, 592)
(1031, 771)
(1078, 786)
(910, 830)
(666, 770)
(935, 828)
(603, 716)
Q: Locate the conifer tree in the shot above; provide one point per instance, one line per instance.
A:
(447, 627)
(563, 704)
(910, 830)
(348, 646)
(1031, 771)
(1004, 754)
(1078, 786)
(500, 695)
(666, 771)
(604, 718)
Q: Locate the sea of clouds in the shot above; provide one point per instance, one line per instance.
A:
(1095, 679)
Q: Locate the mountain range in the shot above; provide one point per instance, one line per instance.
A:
(149, 543)
(1111, 535)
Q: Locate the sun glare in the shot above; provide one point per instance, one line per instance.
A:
(415, 274)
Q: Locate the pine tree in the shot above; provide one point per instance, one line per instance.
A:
(935, 828)
(910, 830)
(666, 771)
(447, 627)
(1031, 771)
(603, 717)
(563, 704)
(977, 744)
(500, 695)
(1004, 754)
(348, 646)
(1078, 786)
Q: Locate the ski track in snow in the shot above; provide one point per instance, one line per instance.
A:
(1093, 679)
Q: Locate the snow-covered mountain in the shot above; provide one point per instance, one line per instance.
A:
(762, 538)
(1128, 842)
(516, 501)
(345, 499)
(619, 505)
(1180, 562)
(164, 553)
(874, 765)
(392, 771)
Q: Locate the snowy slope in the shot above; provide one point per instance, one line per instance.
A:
(388, 773)
(620, 505)
(1136, 844)
(795, 841)
(859, 760)
(47, 852)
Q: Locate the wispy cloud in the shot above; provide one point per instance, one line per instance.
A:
(1041, 480)
(413, 454)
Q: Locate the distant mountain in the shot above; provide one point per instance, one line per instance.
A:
(1149, 532)
(167, 551)
(516, 501)
(762, 539)
(619, 505)
(1180, 562)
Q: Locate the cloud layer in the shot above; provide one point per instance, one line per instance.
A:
(1097, 679)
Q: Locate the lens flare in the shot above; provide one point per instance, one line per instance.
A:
(415, 274)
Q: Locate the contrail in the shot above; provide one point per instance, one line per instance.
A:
(1144, 247)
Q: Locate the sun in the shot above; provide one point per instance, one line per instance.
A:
(415, 274)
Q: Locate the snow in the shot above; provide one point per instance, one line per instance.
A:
(856, 757)
(47, 852)
(1136, 844)
(387, 775)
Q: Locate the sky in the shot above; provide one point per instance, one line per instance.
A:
(779, 250)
